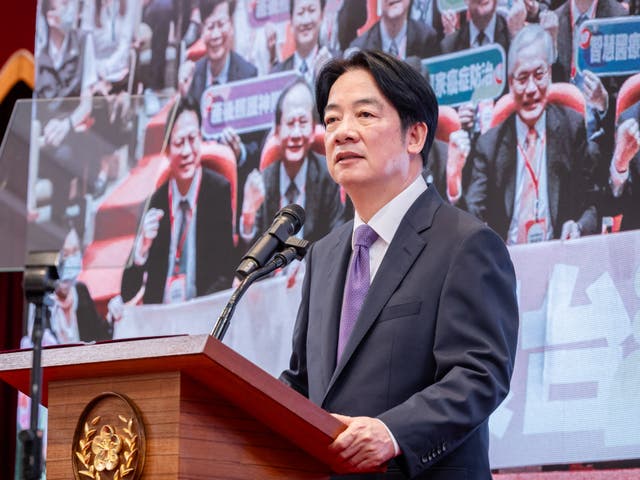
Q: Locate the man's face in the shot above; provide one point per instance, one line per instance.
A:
(364, 141)
(392, 9)
(60, 14)
(481, 11)
(305, 20)
(217, 33)
(296, 127)
(184, 148)
(529, 83)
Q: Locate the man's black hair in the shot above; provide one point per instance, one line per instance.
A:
(207, 7)
(184, 104)
(292, 3)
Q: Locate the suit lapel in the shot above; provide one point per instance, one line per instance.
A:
(376, 37)
(272, 182)
(405, 247)
(564, 36)
(330, 301)
(313, 201)
(554, 155)
(509, 155)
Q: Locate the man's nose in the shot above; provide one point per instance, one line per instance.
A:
(345, 130)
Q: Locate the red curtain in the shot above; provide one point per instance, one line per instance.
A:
(11, 315)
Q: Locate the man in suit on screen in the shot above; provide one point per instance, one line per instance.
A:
(299, 176)
(407, 325)
(184, 247)
(309, 55)
(532, 175)
(622, 191)
(399, 35)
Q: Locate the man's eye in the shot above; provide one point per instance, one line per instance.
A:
(329, 120)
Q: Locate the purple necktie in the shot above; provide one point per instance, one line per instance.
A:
(357, 285)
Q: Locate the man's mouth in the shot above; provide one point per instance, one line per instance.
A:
(347, 155)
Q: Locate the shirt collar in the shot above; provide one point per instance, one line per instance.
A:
(591, 11)
(387, 220)
(191, 193)
(490, 31)
(310, 59)
(224, 73)
(299, 179)
(386, 38)
(522, 128)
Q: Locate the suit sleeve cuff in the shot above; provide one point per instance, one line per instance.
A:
(396, 447)
(617, 180)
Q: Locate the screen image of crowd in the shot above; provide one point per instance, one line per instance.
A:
(170, 132)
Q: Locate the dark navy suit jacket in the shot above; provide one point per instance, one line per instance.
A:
(433, 348)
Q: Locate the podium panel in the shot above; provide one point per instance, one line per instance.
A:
(207, 413)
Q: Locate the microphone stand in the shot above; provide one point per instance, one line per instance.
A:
(295, 250)
(39, 280)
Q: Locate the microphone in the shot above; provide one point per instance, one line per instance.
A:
(292, 249)
(287, 222)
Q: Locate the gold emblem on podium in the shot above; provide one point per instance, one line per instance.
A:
(109, 441)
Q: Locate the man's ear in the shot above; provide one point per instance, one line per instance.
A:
(416, 137)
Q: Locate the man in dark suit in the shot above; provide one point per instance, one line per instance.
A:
(622, 193)
(221, 64)
(309, 56)
(484, 27)
(300, 176)
(532, 175)
(398, 35)
(600, 92)
(414, 347)
(184, 248)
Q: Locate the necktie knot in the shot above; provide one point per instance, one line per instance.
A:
(184, 206)
(365, 236)
(304, 68)
(532, 136)
(581, 19)
(292, 193)
(393, 49)
(480, 39)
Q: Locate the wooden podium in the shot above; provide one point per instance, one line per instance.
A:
(207, 411)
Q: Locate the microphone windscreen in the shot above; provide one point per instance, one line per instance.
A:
(296, 212)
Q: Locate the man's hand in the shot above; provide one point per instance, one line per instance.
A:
(449, 21)
(56, 130)
(627, 144)
(458, 151)
(594, 91)
(150, 226)
(533, 7)
(230, 138)
(516, 17)
(185, 77)
(467, 115)
(549, 21)
(272, 42)
(254, 193)
(322, 57)
(365, 446)
(570, 230)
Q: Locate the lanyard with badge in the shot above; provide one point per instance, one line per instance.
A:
(176, 286)
(536, 228)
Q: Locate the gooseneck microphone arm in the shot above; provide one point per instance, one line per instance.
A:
(295, 249)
